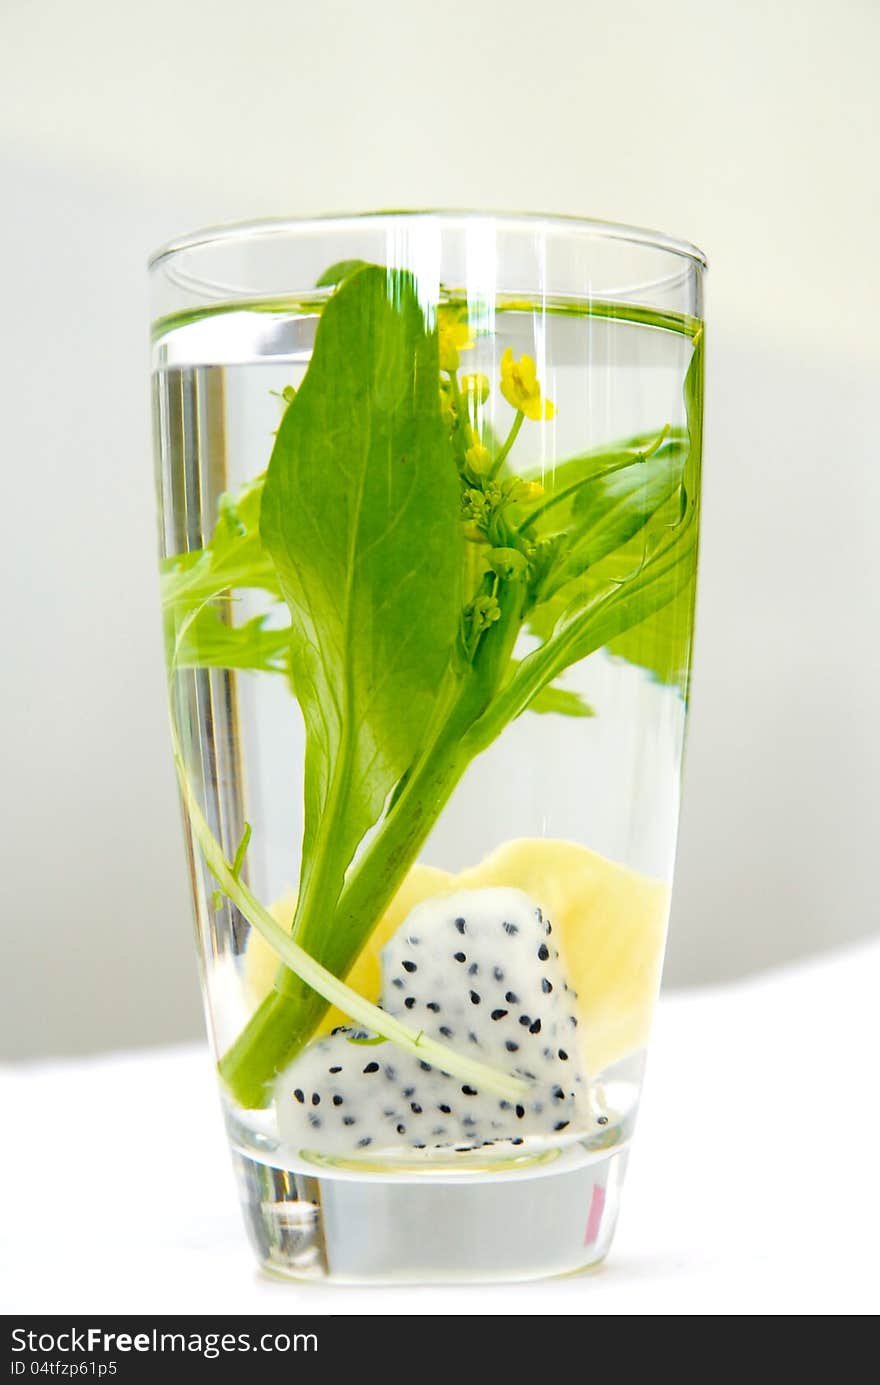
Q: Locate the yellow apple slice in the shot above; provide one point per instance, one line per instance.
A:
(610, 927)
(608, 922)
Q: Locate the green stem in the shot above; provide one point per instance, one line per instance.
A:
(612, 610)
(621, 462)
(288, 1017)
(328, 986)
(501, 455)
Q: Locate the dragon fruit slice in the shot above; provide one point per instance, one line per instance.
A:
(479, 972)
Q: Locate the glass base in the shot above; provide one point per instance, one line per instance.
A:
(432, 1229)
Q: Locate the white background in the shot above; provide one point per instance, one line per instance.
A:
(751, 1188)
(750, 128)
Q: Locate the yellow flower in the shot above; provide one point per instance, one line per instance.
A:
(477, 385)
(478, 457)
(520, 387)
(526, 490)
(455, 335)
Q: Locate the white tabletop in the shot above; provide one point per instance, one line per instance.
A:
(752, 1188)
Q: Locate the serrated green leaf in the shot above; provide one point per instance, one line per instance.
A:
(561, 702)
(191, 582)
(208, 641)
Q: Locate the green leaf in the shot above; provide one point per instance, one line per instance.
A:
(208, 641)
(233, 558)
(609, 511)
(616, 520)
(343, 269)
(404, 670)
(561, 701)
(608, 612)
(607, 606)
(662, 643)
(197, 587)
(360, 519)
(561, 485)
(554, 700)
(241, 850)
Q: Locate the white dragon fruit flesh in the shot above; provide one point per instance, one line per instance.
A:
(478, 972)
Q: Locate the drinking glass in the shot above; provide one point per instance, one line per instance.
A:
(429, 488)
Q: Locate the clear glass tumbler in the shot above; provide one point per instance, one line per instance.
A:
(429, 489)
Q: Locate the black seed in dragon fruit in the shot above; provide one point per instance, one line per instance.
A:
(478, 972)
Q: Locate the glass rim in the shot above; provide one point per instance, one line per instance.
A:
(230, 232)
